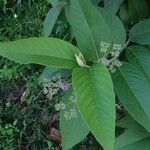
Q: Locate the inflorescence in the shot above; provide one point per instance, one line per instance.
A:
(111, 54)
(68, 112)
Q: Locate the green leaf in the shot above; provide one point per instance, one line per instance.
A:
(73, 130)
(112, 5)
(91, 31)
(126, 121)
(140, 33)
(67, 12)
(117, 30)
(96, 101)
(133, 90)
(51, 19)
(140, 56)
(54, 2)
(95, 2)
(45, 51)
(135, 137)
(138, 10)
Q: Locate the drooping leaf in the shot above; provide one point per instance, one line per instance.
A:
(138, 10)
(112, 5)
(140, 56)
(45, 51)
(96, 101)
(140, 33)
(133, 90)
(51, 19)
(49, 73)
(134, 137)
(73, 129)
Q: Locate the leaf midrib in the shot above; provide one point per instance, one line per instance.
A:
(95, 97)
(57, 57)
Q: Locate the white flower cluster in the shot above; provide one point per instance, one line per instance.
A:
(104, 46)
(57, 83)
(69, 112)
(59, 106)
(110, 58)
(72, 113)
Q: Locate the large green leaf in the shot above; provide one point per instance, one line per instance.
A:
(133, 89)
(138, 10)
(89, 31)
(51, 19)
(135, 137)
(73, 130)
(113, 22)
(140, 33)
(96, 101)
(45, 51)
(140, 56)
(112, 5)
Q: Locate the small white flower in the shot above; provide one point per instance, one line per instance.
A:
(104, 46)
(56, 77)
(67, 115)
(104, 61)
(63, 85)
(57, 107)
(45, 90)
(73, 113)
(15, 16)
(62, 105)
(117, 63)
(115, 53)
(112, 68)
(116, 46)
